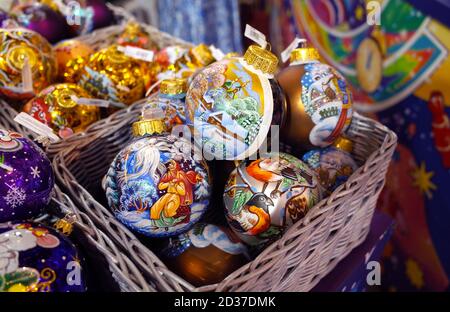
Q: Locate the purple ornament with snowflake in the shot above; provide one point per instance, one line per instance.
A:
(26, 178)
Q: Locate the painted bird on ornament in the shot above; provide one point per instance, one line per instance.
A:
(440, 126)
(269, 170)
(254, 217)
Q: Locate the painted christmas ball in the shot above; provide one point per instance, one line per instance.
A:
(111, 75)
(19, 47)
(44, 20)
(36, 258)
(156, 187)
(26, 178)
(333, 164)
(231, 104)
(205, 255)
(69, 50)
(56, 107)
(264, 197)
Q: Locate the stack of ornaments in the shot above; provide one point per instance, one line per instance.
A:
(199, 181)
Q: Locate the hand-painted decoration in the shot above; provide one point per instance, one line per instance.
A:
(212, 253)
(26, 178)
(265, 196)
(35, 258)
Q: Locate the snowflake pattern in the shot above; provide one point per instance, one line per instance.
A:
(35, 172)
(15, 197)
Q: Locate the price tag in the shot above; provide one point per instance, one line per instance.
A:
(217, 53)
(291, 47)
(90, 102)
(27, 78)
(123, 88)
(36, 126)
(255, 35)
(138, 53)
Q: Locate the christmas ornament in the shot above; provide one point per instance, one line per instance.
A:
(333, 164)
(111, 75)
(44, 20)
(155, 185)
(319, 102)
(56, 107)
(232, 103)
(135, 35)
(36, 258)
(68, 53)
(195, 58)
(26, 177)
(264, 197)
(171, 99)
(3, 17)
(102, 15)
(205, 255)
(24, 54)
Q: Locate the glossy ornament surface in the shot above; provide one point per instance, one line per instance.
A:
(16, 47)
(56, 107)
(36, 258)
(230, 105)
(3, 17)
(205, 255)
(333, 164)
(44, 20)
(111, 75)
(68, 51)
(135, 35)
(265, 196)
(26, 177)
(319, 101)
(155, 186)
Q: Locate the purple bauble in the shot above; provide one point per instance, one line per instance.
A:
(3, 17)
(103, 16)
(36, 258)
(44, 20)
(26, 178)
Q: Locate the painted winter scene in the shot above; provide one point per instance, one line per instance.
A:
(155, 187)
(230, 108)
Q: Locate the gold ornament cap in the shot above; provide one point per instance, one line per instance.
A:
(173, 86)
(261, 59)
(305, 55)
(152, 122)
(201, 55)
(344, 144)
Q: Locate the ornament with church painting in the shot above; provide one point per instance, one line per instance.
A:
(155, 185)
(36, 258)
(26, 177)
(264, 197)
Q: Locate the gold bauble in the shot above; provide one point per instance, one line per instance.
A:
(67, 53)
(111, 75)
(16, 47)
(55, 106)
(135, 35)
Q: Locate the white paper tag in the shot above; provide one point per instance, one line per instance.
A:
(90, 102)
(138, 53)
(27, 78)
(36, 126)
(217, 53)
(291, 47)
(5, 5)
(6, 167)
(123, 88)
(255, 35)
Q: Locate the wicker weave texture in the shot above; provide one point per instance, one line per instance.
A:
(309, 250)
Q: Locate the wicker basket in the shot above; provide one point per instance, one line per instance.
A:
(98, 39)
(307, 251)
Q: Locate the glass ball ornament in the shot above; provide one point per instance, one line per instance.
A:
(232, 103)
(111, 75)
(68, 51)
(205, 255)
(26, 177)
(36, 258)
(156, 185)
(318, 99)
(333, 164)
(56, 107)
(19, 47)
(264, 197)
